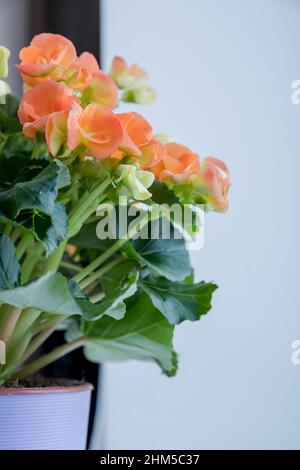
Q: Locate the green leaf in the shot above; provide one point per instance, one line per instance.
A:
(11, 105)
(49, 229)
(55, 294)
(87, 238)
(8, 115)
(50, 293)
(33, 205)
(179, 302)
(17, 169)
(15, 161)
(161, 194)
(189, 193)
(40, 193)
(143, 334)
(16, 145)
(112, 279)
(113, 304)
(164, 257)
(9, 266)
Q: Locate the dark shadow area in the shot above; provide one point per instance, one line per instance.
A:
(76, 19)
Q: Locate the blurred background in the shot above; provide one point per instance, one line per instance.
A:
(223, 72)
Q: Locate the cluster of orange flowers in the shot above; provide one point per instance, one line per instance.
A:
(71, 100)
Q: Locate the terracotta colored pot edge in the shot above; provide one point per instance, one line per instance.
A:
(85, 387)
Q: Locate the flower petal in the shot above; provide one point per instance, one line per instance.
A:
(101, 131)
(101, 90)
(56, 131)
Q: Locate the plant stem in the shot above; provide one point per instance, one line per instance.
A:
(23, 244)
(96, 298)
(8, 327)
(8, 228)
(40, 339)
(97, 274)
(54, 260)
(70, 266)
(15, 235)
(82, 200)
(25, 322)
(14, 356)
(4, 311)
(111, 250)
(76, 218)
(29, 263)
(47, 359)
(79, 213)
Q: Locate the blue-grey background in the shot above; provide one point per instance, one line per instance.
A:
(223, 71)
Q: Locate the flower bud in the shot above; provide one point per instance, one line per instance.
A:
(141, 94)
(134, 182)
(4, 55)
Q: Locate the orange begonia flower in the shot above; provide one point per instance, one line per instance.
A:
(56, 129)
(137, 132)
(79, 74)
(46, 58)
(152, 154)
(102, 90)
(176, 160)
(40, 102)
(97, 128)
(138, 140)
(137, 128)
(209, 178)
(88, 61)
(125, 76)
(216, 181)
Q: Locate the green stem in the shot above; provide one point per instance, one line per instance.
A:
(79, 212)
(47, 359)
(70, 266)
(4, 311)
(82, 200)
(36, 150)
(15, 235)
(14, 356)
(8, 228)
(111, 250)
(29, 262)
(97, 274)
(76, 224)
(41, 338)
(54, 260)
(8, 327)
(76, 218)
(23, 244)
(25, 322)
(96, 298)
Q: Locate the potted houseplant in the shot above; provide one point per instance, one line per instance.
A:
(87, 195)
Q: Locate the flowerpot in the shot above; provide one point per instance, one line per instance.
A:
(45, 418)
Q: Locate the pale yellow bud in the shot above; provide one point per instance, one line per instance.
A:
(4, 55)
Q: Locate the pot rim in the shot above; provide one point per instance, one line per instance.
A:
(72, 388)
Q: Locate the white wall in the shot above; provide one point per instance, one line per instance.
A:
(223, 71)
